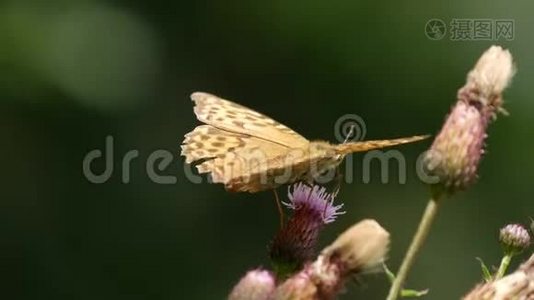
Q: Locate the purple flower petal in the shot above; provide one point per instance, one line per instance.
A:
(314, 198)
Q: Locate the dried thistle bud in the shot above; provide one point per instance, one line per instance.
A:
(514, 238)
(256, 284)
(294, 243)
(492, 73)
(456, 151)
(360, 248)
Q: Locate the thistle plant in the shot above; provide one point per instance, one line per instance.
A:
(298, 272)
(453, 159)
(514, 239)
(519, 285)
(456, 152)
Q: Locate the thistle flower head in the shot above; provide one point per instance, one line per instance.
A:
(315, 199)
(456, 151)
(514, 238)
(256, 284)
(294, 244)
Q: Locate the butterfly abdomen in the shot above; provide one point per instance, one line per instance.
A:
(363, 146)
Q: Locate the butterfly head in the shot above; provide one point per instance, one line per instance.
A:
(324, 157)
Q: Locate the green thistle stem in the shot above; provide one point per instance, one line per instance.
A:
(417, 242)
(505, 262)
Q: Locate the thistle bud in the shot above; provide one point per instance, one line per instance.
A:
(492, 73)
(514, 238)
(362, 247)
(456, 151)
(256, 284)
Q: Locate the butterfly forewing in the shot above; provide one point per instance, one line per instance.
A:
(229, 116)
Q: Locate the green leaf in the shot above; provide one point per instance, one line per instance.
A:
(406, 293)
(485, 271)
(388, 272)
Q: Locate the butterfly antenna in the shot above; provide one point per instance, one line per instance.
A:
(280, 209)
(351, 132)
(340, 156)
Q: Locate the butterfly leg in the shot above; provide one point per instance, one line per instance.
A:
(338, 179)
(280, 209)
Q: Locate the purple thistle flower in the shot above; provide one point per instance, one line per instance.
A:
(294, 244)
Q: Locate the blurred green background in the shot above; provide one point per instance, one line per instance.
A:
(74, 72)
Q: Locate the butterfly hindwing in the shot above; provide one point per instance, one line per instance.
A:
(229, 156)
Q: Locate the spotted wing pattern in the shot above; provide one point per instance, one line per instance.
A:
(237, 145)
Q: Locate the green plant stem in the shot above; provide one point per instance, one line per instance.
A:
(417, 242)
(505, 262)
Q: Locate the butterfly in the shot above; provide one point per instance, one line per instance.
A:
(250, 152)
